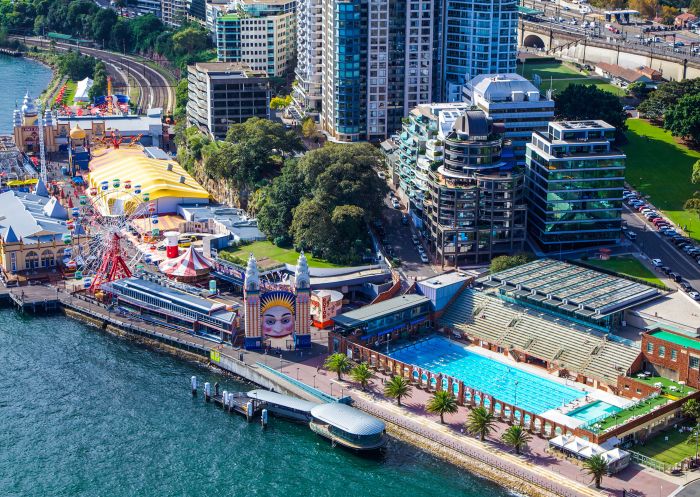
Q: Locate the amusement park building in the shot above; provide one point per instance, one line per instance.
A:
(166, 182)
(32, 231)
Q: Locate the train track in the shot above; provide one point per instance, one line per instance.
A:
(155, 89)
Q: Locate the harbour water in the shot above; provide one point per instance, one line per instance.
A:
(17, 75)
(87, 414)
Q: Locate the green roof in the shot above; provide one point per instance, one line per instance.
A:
(59, 36)
(374, 311)
(686, 342)
(230, 17)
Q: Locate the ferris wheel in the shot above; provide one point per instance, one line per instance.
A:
(110, 217)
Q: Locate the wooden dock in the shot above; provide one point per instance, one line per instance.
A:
(238, 403)
(34, 298)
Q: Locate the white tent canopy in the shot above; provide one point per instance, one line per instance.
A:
(81, 92)
(617, 459)
(560, 440)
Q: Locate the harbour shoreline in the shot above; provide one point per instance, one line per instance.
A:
(246, 373)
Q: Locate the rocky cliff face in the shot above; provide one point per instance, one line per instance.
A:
(221, 191)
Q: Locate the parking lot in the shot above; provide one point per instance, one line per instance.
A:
(673, 255)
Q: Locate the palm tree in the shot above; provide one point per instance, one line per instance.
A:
(516, 437)
(397, 387)
(443, 402)
(596, 466)
(480, 422)
(362, 374)
(338, 363)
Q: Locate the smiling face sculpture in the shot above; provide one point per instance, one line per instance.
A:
(277, 312)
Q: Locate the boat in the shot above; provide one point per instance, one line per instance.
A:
(348, 427)
(284, 406)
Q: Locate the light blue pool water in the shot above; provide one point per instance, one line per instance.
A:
(594, 410)
(506, 383)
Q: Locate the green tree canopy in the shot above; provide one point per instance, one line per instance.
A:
(337, 363)
(362, 374)
(580, 102)
(442, 402)
(516, 437)
(666, 96)
(76, 66)
(102, 24)
(480, 422)
(190, 40)
(596, 466)
(397, 388)
(503, 262)
(683, 119)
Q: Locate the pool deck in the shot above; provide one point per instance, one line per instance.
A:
(556, 415)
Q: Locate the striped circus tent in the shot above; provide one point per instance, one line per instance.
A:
(189, 266)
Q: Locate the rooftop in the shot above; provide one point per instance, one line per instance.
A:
(586, 292)
(348, 419)
(282, 400)
(229, 69)
(591, 124)
(673, 311)
(374, 311)
(502, 87)
(683, 341)
(443, 280)
(31, 218)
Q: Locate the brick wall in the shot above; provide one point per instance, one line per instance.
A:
(633, 389)
(677, 369)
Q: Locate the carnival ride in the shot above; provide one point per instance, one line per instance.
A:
(105, 219)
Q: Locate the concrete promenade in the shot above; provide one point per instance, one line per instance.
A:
(550, 472)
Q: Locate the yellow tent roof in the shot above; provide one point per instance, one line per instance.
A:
(159, 178)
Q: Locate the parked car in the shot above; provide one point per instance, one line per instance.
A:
(631, 235)
(694, 295)
(665, 269)
(629, 107)
(415, 240)
(424, 258)
(685, 286)
(395, 204)
(656, 262)
(675, 277)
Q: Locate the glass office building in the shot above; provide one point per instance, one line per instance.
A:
(575, 179)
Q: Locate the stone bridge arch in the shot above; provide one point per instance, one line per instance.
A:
(533, 40)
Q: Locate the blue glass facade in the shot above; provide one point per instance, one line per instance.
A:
(350, 36)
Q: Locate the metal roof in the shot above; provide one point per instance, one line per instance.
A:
(374, 311)
(282, 400)
(348, 419)
(573, 287)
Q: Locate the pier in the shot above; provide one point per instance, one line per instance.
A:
(33, 299)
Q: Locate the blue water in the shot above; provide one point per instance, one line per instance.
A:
(505, 383)
(594, 410)
(18, 75)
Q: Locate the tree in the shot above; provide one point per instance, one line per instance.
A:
(694, 438)
(666, 96)
(516, 437)
(99, 81)
(442, 402)
(683, 119)
(503, 262)
(695, 177)
(596, 466)
(121, 38)
(480, 422)
(337, 363)
(308, 126)
(668, 14)
(647, 8)
(312, 228)
(190, 40)
(362, 374)
(580, 102)
(694, 7)
(76, 66)
(397, 388)
(279, 201)
(638, 89)
(693, 205)
(691, 408)
(102, 24)
(280, 103)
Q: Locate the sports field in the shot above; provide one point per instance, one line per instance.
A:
(660, 168)
(626, 265)
(557, 76)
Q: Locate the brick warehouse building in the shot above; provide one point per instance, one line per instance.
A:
(673, 355)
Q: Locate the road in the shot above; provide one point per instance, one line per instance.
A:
(155, 90)
(398, 239)
(657, 246)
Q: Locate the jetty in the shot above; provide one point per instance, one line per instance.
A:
(33, 298)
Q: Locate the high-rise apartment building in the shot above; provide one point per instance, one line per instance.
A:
(512, 100)
(412, 159)
(478, 37)
(173, 12)
(149, 7)
(259, 33)
(377, 65)
(309, 27)
(474, 208)
(223, 93)
(575, 179)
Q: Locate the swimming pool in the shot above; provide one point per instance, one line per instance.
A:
(594, 410)
(506, 383)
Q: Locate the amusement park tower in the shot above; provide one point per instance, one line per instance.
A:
(251, 297)
(302, 288)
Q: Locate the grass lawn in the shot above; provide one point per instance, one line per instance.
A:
(660, 168)
(640, 409)
(547, 70)
(626, 265)
(269, 255)
(681, 390)
(71, 87)
(559, 85)
(672, 451)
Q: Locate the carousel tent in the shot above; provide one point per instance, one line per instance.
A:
(82, 90)
(191, 265)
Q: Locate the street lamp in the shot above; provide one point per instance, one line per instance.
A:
(331, 389)
(314, 381)
(297, 374)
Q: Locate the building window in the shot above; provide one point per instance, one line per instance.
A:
(694, 362)
(650, 348)
(674, 355)
(662, 351)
